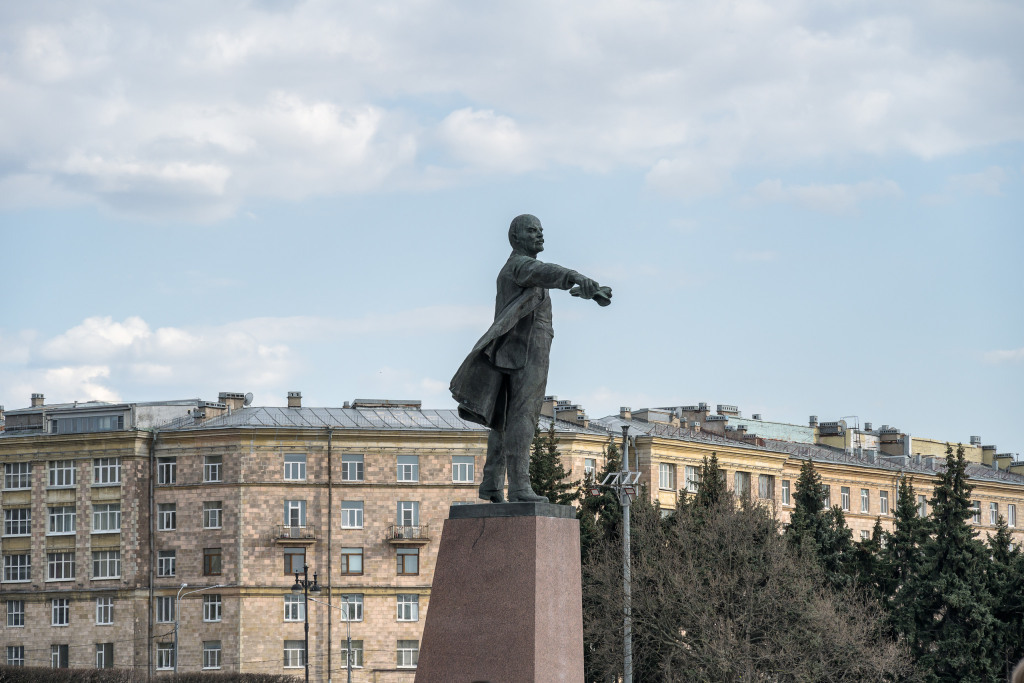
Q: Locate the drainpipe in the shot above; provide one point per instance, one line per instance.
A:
(330, 555)
(152, 560)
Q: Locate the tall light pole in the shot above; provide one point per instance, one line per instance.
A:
(177, 615)
(348, 628)
(305, 587)
(624, 484)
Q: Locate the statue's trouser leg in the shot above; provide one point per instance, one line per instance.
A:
(494, 468)
(525, 397)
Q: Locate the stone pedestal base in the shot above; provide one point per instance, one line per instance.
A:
(506, 604)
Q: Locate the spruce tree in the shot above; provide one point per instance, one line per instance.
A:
(954, 634)
(903, 554)
(867, 560)
(547, 474)
(819, 533)
(1006, 583)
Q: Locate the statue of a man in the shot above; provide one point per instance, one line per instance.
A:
(501, 383)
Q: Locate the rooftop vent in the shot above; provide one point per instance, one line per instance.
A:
(294, 399)
(975, 440)
(726, 409)
(37, 400)
(717, 418)
(813, 421)
(867, 426)
(625, 413)
(755, 416)
(702, 406)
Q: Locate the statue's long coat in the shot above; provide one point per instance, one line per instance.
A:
(522, 302)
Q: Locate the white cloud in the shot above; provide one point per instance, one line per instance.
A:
(1005, 356)
(988, 182)
(834, 198)
(195, 110)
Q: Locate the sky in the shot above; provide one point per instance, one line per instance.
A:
(803, 207)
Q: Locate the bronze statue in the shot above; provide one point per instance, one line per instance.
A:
(501, 383)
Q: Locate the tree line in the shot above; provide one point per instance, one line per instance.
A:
(723, 591)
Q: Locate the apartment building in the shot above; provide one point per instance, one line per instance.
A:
(110, 509)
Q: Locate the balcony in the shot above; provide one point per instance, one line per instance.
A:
(408, 535)
(286, 534)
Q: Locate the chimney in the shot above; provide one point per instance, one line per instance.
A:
(867, 426)
(232, 399)
(625, 413)
(294, 399)
(346, 405)
(755, 416)
(813, 422)
(975, 440)
(37, 400)
(547, 408)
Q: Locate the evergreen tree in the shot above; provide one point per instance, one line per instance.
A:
(711, 489)
(1006, 583)
(954, 631)
(903, 554)
(867, 560)
(819, 533)
(547, 474)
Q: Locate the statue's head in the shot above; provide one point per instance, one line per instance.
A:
(526, 234)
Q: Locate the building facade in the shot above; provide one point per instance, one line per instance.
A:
(111, 509)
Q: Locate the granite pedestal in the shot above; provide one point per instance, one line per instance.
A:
(506, 604)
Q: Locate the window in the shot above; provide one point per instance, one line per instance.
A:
(351, 606)
(294, 654)
(167, 471)
(666, 476)
(352, 514)
(828, 495)
(166, 561)
(922, 505)
(92, 423)
(211, 654)
(211, 561)
(106, 517)
(463, 469)
(408, 513)
(294, 607)
(15, 655)
(60, 612)
(741, 484)
(976, 512)
(765, 486)
(351, 561)
(104, 611)
(15, 613)
(865, 535)
(212, 607)
(883, 502)
(408, 561)
(590, 467)
(294, 560)
(1011, 515)
(408, 468)
(164, 656)
(993, 513)
(211, 514)
(785, 491)
(17, 475)
(106, 471)
(106, 564)
(61, 520)
(295, 513)
(692, 475)
(408, 607)
(62, 473)
(166, 516)
(212, 468)
(865, 500)
(844, 498)
(60, 566)
(408, 653)
(357, 653)
(164, 609)
(351, 467)
(295, 466)
(59, 656)
(104, 655)
(18, 522)
(18, 567)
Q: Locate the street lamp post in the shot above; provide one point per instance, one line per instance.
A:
(348, 629)
(305, 587)
(177, 615)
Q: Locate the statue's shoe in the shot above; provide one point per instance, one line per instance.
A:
(525, 496)
(492, 496)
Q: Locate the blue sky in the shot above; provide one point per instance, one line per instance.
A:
(803, 207)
